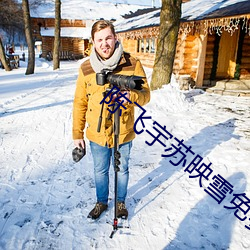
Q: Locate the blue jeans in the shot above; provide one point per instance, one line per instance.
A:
(102, 158)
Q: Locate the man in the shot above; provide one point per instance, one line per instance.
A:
(107, 54)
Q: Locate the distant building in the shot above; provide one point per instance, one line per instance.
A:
(77, 19)
(75, 36)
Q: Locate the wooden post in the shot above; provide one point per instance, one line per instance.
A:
(201, 60)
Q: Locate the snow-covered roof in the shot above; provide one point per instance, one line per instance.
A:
(79, 32)
(145, 20)
(205, 9)
(191, 11)
(85, 10)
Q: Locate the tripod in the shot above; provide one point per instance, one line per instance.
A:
(117, 155)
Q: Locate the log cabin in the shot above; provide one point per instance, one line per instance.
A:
(213, 41)
(74, 37)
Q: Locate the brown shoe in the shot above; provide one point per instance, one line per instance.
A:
(122, 211)
(97, 210)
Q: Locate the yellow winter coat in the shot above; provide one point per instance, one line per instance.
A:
(87, 107)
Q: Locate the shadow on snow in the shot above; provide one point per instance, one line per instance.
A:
(208, 225)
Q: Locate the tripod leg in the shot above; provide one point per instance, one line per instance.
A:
(100, 117)
(116, 165)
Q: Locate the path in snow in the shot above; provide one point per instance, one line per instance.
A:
(45, 197)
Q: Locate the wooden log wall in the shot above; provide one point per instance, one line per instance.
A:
(186, 55)
(73, 45)
(190, 56)
(209, 58)
(245, 60)
(47, 45)
(66, 44)
(185, 59)
(50, 22)
(79, 46)
(178, 61)
(131, 46)
(146, 59)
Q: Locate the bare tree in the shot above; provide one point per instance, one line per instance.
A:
(3, 57)
(11, 17)
(28, 33)
(168, 34)
(56, 59)
(11, 24)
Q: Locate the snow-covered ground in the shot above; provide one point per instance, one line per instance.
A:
(45, 197)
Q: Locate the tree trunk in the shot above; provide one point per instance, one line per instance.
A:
(28, 33)
(56, 59)
(3, 57)
(168, 34)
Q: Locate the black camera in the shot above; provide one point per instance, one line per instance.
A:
(78, 153)
(121, 81)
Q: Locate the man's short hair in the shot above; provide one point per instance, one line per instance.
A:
(101, 24)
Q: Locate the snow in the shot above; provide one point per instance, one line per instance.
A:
(197, 9)
(45, 196)
(155, 3)
(84, 33)
(86, 10)
(145, 20)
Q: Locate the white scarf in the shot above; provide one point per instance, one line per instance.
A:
(98, 64)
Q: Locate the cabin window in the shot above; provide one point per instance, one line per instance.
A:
(140, 45)
(152, 45)
(146, 45)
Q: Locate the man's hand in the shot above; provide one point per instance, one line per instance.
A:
(78, 152)
(127, 95)
(79, 143)
(125, 99)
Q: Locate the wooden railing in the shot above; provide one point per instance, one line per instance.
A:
(64, 55)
